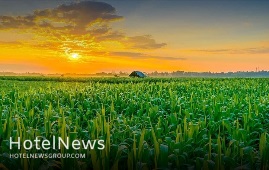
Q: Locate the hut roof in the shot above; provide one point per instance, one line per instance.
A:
(137, 74)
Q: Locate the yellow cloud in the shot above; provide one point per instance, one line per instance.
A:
(76, 33)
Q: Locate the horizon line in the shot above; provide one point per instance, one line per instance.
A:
(126, 72)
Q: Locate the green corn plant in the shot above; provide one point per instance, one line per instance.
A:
(146, 124)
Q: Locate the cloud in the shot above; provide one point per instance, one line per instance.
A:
(76, 17)
(83, 27)
(261, 50)
(135, 55)
(21, 67)
(144, 42)
(109, 36)
(10, 42)
(254, 50)
(13, 44)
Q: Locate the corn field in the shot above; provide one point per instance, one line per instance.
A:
(152, 123)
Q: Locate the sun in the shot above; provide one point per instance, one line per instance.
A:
(74, 56)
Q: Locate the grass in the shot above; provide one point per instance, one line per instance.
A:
(153, 123)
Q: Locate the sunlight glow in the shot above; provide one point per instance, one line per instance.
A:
(74, 56)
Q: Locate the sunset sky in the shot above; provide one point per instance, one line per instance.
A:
(95, 36)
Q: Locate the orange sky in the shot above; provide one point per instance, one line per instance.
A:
(89, 37)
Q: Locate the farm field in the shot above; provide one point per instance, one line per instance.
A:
(151, 123)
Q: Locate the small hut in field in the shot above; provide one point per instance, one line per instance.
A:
(137, 74)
